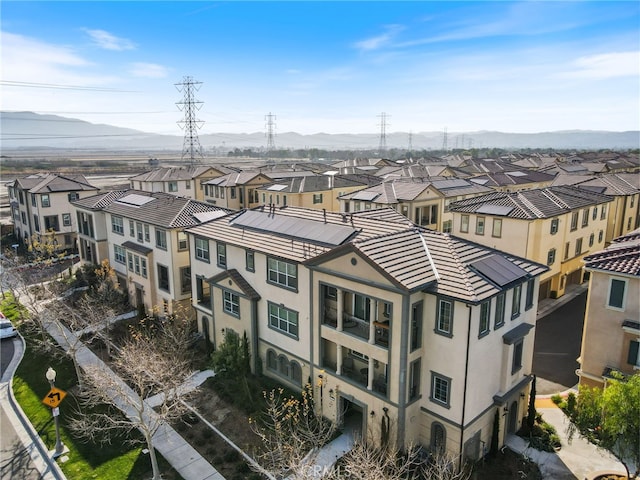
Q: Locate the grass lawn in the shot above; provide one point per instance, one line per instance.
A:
(117, 460)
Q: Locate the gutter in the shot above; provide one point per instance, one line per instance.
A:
(464, 391)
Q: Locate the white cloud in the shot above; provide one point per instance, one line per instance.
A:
(107, 41)
(148, 70)
(605, 65)
(381, 40)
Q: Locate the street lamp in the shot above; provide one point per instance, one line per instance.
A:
(51, 376)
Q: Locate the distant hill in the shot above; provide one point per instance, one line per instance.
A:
(32, 130)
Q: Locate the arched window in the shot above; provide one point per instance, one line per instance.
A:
(205, 328)
(438, 437)
(283, 365)
(271, 360)
(296, 373)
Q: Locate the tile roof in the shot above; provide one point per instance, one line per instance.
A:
(316, 183)
(236, 178)
(164, 210)
(239, 280)
(516, 177)
(396, 247)
(622, 256)
(166, 174)
(535, 203)
(53, 182)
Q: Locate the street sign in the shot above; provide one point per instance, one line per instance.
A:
(54, 397)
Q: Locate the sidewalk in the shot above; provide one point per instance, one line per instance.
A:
(175, 449)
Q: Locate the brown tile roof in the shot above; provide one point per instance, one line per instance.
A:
(622, 256)
(166, 174)
(236, 178)
(234, 275)
(97, 202)
(53, 182)
(315, 183)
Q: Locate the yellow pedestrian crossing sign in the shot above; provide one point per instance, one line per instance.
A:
(54, 397)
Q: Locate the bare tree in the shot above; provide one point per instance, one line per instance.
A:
(153, 361)
(292, 433)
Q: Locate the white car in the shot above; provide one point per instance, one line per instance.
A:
(7, 329)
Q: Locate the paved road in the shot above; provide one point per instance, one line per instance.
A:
(15, 458)
(557, 346)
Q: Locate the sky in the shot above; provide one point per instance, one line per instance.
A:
(332, 66)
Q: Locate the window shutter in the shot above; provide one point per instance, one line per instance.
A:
(632, 359)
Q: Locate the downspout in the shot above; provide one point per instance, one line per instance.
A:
(402, 382)
(255, 335)
(464, 391)
(311, 357)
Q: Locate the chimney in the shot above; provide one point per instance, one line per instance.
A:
(324, 214)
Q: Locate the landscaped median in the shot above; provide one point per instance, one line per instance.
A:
(108, 461)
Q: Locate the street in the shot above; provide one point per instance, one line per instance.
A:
(557, 346)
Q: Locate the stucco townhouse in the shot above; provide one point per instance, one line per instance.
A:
(181, 181)
(387, 320)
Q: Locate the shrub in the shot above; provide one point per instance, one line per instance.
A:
(231, 456)
(571, 403)
(557, 399)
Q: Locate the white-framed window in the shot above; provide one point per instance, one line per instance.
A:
(147, 235)
(515, 301)
(132, 228)
(447, 226)
(585, 217)
(282, 273)
(163, 278)
(498, 319)
(66, 219)
(578, 246)
(480, 226)
(603, 212)
(485, 316)
(161, 239)
(187, 184)
(202, 249)
(231, 303)
(183, 242)
(574, 221)
(440, 389)
(551, 256)
(464, 223)
(117, 224)
(45, 200)
(444, 317)
(554, 226)
(221, 255)
(497, 228)
(173, 186)
(317, 198)
(283, 319)
(250, 260)
(119, 254)
(139, 232)
(616, 296)
(137, 264)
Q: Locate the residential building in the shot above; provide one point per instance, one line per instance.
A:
(555, 226)
(386, 319)
(235, 190)
(181, 181)
(513, 180)
(142, 235)
(41, 204)
(611, 333)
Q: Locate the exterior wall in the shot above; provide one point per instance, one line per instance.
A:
(191, 188)
(604, 341)
(624, 216)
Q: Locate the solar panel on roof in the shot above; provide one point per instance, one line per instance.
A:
(456, 182)
(366, 196)
(495, 209)
(206, 216)
(303, 229)
(498, 269)
(134, 199)
(479, 181)
(516, 174)
(277, 187)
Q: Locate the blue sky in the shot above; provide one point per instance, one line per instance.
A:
(328, 66)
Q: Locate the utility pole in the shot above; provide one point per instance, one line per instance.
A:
(270, 125)
(410, 141)
(191, 148)
(383, 133)
(444, 139)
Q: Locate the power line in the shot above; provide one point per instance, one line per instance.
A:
(191, 146)
(10, 83)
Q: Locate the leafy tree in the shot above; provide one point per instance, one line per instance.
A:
(610, 418)
(531, 415)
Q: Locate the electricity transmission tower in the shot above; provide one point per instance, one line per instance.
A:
(444, 140)
(410, 141)
(383, 132)
(191, 147)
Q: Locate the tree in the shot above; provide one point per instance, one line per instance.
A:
(531, 412)
(610, 418)
(154, 360)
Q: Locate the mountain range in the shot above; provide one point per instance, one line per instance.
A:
(25, 130)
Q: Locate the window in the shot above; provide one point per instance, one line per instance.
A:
(440, 389)
(23, 217)
(551, 256)
(202, 249)
(632, 201)
(231, 303)
(480, 226)
(132, 230)
(616, 295)
(232, 192)
(163, 278)
(66, 219)
(579, 246)
(173, 186)
(45, 200)
(119, 254)
(517, 356)
(515, 301)
(137, 264)
(183, 242)
(427, 215)
(221, 255)
(485, 315)
(629, 223)
(361, 307)
(250, 260)
(603, 212)
(554, 226)
(117, 225)
(203, 292)
(51, 223)
(464, 223)
(282, 273)
(34, 201)
(283, 319)
(187, 184)
(447, 226)
(444, 321)
(633, 358)
(139, 232)
(185, 280)
(600, 236)
(416, 326)
(585, 217)
(36, 223)
(414, 380)
(497, 228)
(147, 235)
(438, 437)
(531, 284)
(574, 221)
(161, 239)
(317, 198)
(73, 196)
(595, 213)
(592, 238)
(498, 320)
(566, 250)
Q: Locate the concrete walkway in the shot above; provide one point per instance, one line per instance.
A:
(175, 449)
(193, 382)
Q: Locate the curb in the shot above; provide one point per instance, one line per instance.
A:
(40, 454)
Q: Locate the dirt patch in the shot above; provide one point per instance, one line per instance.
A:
(506, 465)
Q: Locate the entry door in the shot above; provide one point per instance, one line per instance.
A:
(512, 427)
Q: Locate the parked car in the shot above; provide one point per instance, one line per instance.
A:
(7, 329)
